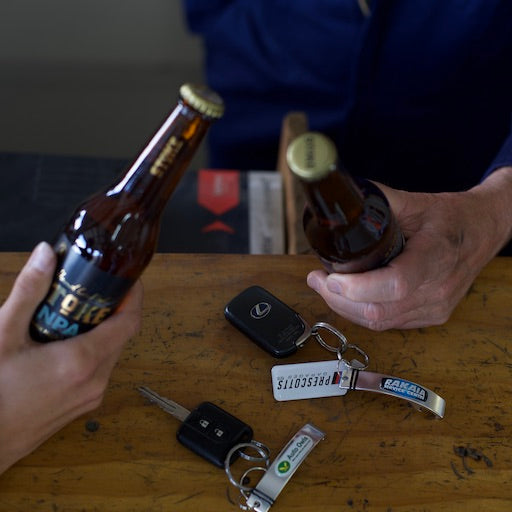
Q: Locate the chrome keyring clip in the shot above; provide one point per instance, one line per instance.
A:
(354, 364)
(315, 332)
(245, 495)
(342, 347)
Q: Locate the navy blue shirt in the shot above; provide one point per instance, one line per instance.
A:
(418, 95)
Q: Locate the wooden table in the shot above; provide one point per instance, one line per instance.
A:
(379, 454)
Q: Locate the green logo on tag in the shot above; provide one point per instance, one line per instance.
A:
(283, 467)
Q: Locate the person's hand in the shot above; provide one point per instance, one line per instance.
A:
(45, 386)
(450, 238)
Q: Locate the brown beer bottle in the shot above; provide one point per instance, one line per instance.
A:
(347, 220)
(111, 237)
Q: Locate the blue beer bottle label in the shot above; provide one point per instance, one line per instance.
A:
(80, 297)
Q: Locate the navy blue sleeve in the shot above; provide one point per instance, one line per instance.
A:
(503, 158)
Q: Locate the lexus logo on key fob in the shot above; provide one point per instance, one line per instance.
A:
(260, 310)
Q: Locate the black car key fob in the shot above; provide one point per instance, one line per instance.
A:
(211, 432)
(208, 430)
(267, 321)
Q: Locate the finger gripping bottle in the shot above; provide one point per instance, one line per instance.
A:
(111, 237)
(347, 220)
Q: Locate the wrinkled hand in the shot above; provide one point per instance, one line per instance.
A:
(450, 238)
(45, 386)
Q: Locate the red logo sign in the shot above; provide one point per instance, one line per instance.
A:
(218, 191)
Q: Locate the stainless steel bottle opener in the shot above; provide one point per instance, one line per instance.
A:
(352, 378)
(337, 377)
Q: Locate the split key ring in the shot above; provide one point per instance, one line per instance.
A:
(343, 344)
(342, 347)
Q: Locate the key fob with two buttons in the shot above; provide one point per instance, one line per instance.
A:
(211, 432)
(208, 430)
(267, 321)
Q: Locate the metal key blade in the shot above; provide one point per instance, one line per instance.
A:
(169, 406)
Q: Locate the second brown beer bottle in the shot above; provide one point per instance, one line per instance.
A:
(347, 220)
(111, 237)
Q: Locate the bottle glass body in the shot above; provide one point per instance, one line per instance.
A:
(111, 237)
(350, 227)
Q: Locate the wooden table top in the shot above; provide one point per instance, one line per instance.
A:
(379, 454)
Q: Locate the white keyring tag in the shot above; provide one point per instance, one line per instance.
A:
(307, 380)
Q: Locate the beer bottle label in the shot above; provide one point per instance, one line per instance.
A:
(80, 297)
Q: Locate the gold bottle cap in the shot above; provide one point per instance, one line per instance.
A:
(203, 99)
(311, 156)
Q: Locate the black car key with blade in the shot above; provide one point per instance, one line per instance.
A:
(267, 321)
(208, 430)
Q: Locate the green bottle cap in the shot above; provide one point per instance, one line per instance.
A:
(311, 156)
(203, 99)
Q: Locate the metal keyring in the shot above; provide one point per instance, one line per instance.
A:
(256, 445)
(246, 494)
(259, 447)
(359, 366)
(343, 341)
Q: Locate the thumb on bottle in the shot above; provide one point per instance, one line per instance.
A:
(29, 289)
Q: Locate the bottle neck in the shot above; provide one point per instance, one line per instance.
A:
(335, 198)
(154, 174)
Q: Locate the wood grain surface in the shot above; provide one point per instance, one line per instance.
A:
(379, 453)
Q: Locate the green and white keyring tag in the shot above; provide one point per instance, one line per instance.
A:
(262, 496)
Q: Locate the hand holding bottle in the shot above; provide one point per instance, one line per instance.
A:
(450, 238)
(45, 386)
(347, 220)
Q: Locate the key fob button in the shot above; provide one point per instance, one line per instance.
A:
(200, 422)
(220, 432)
(203, 423)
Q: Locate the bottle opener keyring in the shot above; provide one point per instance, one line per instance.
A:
(337, 377)
(420, 397)
(276, 475)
